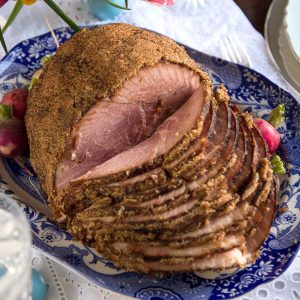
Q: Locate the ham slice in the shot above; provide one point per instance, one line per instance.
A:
(220, 261)
(196, 251)
(133, 114)
(214, 224)
(177, 125)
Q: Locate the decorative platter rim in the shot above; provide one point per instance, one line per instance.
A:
(249, 89)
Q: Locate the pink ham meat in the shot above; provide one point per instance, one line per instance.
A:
(144, 159)
(158, 144)
(219, 261)
(235, 140)
(232, 240)
(132, 115)
(230, 151)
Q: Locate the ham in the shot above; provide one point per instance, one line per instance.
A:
(137, 110)
(186, 212)
(196, 251)
(219, 261)
(145, 159)
(156, 145)
(215, 224)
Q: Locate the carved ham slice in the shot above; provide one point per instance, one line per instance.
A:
(133, 114)
(177, 125)
(219, 261)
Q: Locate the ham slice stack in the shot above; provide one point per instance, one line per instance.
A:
(144, 160)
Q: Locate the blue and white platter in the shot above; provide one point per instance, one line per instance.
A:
(252, 92)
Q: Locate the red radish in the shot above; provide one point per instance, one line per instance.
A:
(269, 133)
(18, 99)
(13, 138)
(2, 2)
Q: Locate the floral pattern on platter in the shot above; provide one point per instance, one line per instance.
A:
(249, 90)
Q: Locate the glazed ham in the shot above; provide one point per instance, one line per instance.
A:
(144, 159)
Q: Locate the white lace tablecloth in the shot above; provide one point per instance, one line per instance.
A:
(197, 23)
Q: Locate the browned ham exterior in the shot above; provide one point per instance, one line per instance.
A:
(144, 160)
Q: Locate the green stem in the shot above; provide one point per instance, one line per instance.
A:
(67, 19)
(5, 112)
(118, 6)
(17, 8)
(277, 164)
(2, 41)
(277, 115)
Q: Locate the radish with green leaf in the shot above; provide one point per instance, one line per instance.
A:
(271, 136)
(13, 138)
(268, 128)
(18, 100)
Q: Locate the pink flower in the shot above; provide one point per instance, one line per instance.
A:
(2, 2)
(160, 2)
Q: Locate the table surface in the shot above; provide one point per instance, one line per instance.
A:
(201, 26)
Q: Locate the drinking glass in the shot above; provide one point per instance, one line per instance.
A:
(103, 11)
(15, 251)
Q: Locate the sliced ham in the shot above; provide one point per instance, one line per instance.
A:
(133, 114)
(177, 125)
(224, 243)
(214, 224)
(220, 261)
(249, 159)
(240, 153)
(148, 218)
(263, 221)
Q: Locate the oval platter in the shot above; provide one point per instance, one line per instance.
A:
(248, 89)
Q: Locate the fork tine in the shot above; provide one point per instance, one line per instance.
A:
(236, 49)
(223, 51)
(229, 51)
(243, 51)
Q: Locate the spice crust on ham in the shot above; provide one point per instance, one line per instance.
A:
(93, 65)
(146, 161)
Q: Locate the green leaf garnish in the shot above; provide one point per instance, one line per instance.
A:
(277, 164)
(277, 115)
(32, 83)
(67, 19)
(5, 112)
(18, 6)
(118, 6)
(45, 59)
(36, 75)
(2, 41)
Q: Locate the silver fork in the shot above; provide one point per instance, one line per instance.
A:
(233, 50)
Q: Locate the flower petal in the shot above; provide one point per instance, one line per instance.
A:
(162, 2)
(28, 2)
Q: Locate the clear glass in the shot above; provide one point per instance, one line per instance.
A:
(15, 251)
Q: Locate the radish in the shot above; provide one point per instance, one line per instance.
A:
(268, 129)
(13, 138)
(2, 2)
(269, 133)
(18, 100)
